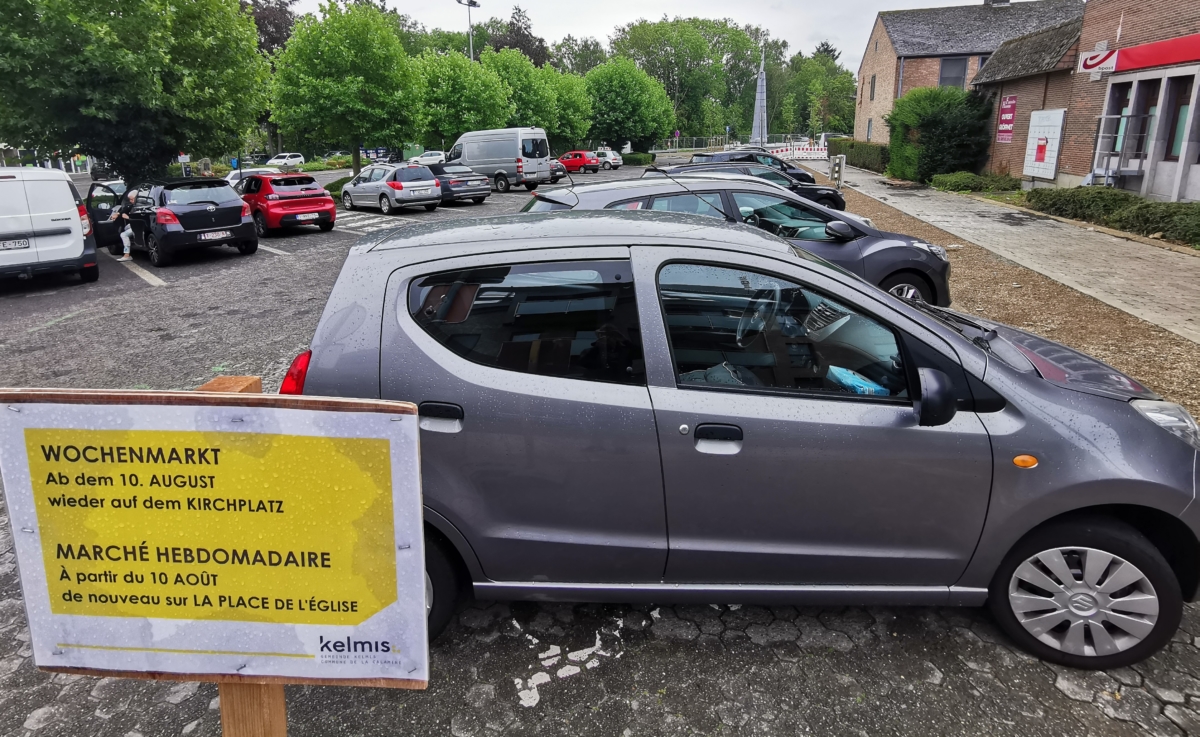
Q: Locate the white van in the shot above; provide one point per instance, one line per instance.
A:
(44, 227)
(508, 156)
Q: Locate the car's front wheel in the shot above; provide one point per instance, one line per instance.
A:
(908, 285)
(347, 201)
(1089, 593)
(444, 583)
(828, 202)
(159, 256)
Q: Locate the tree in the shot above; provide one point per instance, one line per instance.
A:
(574, 107)
(462, 96)
(628, 105)
(534, 102)
(938, 130)
(675, 53)
(344, 78)
(133, 82)
(518, 34)
(577, 55)
(827, 49)
(274, 20)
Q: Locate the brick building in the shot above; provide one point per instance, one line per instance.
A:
(1124, 93)
(940, 47)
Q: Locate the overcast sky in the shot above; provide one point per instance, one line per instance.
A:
(802, 23)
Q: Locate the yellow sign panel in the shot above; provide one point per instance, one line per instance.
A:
(248, 527)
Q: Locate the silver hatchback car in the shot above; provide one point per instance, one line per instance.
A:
(660, 407)
(390, 186)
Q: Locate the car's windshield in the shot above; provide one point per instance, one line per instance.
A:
(216, 193)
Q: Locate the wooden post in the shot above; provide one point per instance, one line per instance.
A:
(248, 709)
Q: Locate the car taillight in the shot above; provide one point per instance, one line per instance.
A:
(85, 221)
(293, 382)
(245, 209)
(396, 185)
(436, 182)
(455, 181)
(163, 216)
(520, 166)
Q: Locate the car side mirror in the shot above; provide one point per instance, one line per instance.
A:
(838, 230)
(936, 405)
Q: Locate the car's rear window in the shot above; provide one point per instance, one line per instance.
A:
(701, 158)
(218, 193)
(457, 170)
(413, 174)
(294, 184)
(535, 148)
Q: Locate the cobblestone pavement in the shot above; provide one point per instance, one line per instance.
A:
(526, 668)
(1155, 284)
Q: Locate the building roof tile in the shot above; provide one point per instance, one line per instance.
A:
(972, 29)
(1034, 53)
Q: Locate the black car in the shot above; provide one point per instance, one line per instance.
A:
(185, 214)
(823, 195)
(557, 170)
(759, 157)
(461, 183)
(102, 170)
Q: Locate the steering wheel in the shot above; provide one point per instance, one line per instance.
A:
(757, 315)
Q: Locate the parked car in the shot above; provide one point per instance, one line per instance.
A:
(761, 157)
(102, 170)
(822, 195)
(557, 171)
(187, 214)
(900, 264)
(389, 187)
(609, 159)
(236, 175)
(337, 154)
(461, 183)
(806, 438)
(44, 225)
(284, 200)
(508, 156)
(286, 160)
(578, 161)
(429, 157)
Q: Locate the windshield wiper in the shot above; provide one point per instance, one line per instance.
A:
(983, 340)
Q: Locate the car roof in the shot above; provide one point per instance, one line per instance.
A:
(33, 173)
(632, 185)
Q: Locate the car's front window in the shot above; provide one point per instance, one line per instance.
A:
(781, 217)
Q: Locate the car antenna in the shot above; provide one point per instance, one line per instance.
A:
(685, 188)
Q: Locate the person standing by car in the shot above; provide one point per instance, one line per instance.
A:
(122, 211)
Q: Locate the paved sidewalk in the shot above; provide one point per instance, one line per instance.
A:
(1155, 284)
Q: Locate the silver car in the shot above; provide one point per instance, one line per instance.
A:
(390, 186)
(659, 407)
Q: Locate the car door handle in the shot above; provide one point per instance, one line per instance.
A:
(440, 417)
(717, 439)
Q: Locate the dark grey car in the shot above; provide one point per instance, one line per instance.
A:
(898, 263)
(657, 407)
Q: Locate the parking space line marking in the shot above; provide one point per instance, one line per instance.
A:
(55, 321)
(146, 276)
(276, 251)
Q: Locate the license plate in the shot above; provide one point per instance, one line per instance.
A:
(14, 244)
(215, 235)
(308, 216)
(479, 183)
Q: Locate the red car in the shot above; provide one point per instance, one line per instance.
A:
(283, 200)
(580, 161)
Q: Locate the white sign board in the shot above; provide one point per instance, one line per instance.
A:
(186, 533)
(184, 158)
(1041, 147)
(1101, 60)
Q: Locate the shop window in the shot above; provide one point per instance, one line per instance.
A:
(1179, 104)
(954, 72)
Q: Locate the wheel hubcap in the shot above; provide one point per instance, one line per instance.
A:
(1083, 601)
(907, 291)
(428, 594)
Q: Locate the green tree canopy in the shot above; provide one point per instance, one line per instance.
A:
(344, 78)
(462, 96)
(533, 96)
(938, 130)
(574, 108)
(130, 81)
(577, 55)
(628, 105)
(518, 34)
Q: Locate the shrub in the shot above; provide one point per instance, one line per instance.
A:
(937, 130)
(315, 166)
(335, 187)
(1093, 204)
(863, 154)
(637, 159)
(338, 162)
(1177, 221)
(965, 181)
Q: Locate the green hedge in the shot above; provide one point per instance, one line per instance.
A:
(938, 130)
(637, 159)
(1115, 208)
(335, 187)
(965, 181)
(863, 154)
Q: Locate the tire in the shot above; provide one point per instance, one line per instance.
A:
(555, 180)
(831, 204)
(325, 227)
(606, 165)
(502, 185)
(247, 248)
(260, 226)
(89, 274)
(159, 256)
(116, 249)
(908, 284)
(478, 200)
(446, 580)
(531, 186)
(346, 201)
(432, 207)
(385, 204)
(1151, 585)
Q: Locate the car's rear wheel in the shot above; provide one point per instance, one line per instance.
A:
(908, 285)
(531, 186)
(325, 227)
(502, 184)
(607, 165)
(478, 200)
(1089, 593)
(116, 249)
(431, 207)
(444, 583)
(89, 274)
(159, 256)
(385, 204)
(347, 201)
(247, 247)
(260, 226)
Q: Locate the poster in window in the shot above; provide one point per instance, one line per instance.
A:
(1042, 144)
(1007, 119)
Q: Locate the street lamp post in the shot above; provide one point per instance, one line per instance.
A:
(470, 28)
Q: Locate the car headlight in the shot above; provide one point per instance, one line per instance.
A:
(935, 250)
(1172, 418)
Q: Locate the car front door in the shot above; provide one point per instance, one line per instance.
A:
(804, 226)
(101, 201)
(791, 451)
(360, 192)
(538, 439)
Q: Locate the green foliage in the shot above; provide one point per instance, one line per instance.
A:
(534, 97)
(315, 166)
(344, 78)
(938, 130)
(965, 181)
(1176, 221)
(573, 119)
(577, 55)
(1115, 208)
(462, 96)
(130, 81)
(821, 92)
(337, 162)
(335, 187)
(1093, 204)
(628, 104)
(863, 154)
(634, 158)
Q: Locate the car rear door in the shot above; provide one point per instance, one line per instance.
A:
(101, 201)
(16, 227)
(538, 440)
(54, 212)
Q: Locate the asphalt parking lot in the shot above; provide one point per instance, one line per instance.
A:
(528, 668)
